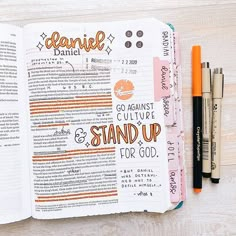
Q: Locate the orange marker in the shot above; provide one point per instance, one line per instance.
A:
(197, 118)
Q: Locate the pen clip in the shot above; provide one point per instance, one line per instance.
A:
(211, 77)
(223, 84)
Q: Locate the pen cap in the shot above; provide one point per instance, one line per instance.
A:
(218, 83)
(206, 77)
(196, 71)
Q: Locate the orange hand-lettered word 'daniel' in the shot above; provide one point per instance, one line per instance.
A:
(124, 89)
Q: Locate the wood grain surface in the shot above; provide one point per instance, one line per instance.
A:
(210, 23)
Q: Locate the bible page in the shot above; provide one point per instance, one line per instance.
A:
(15, 198)
(98, 142)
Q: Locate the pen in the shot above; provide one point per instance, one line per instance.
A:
(197, 118)
(217, 95)
(206, 120)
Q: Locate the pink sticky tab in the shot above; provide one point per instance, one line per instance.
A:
(181, 151)
(178, 111)
(157, 88)
(183, 185)
(172, 151)
(161, 78)
(179, 81)
(177, 60)
(165, 78)
(176, 48)
(168, 105)
(173, 165)
(174, 186)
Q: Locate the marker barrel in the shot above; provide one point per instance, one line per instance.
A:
(197, 142)
(197, 118)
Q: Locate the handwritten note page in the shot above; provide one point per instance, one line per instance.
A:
(101, 97)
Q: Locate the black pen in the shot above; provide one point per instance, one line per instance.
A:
(217, 95)
(206, 120)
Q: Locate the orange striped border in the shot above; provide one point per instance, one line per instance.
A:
(52, 125)
(78, 152)
(69, 108)
(79, 194)
(81, 105)
(98, 97)
(74, 154)
(51, 111)
(41, 103)
(91, 149)
(56, 159)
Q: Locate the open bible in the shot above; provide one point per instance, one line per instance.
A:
(90, 119)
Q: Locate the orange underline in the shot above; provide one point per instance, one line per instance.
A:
(43, 112)
(91, 149)
(48, 107)
(74, 154)
(102, 97)
(51, 125)
(37, 111)
(70, 102)
(66, 199)
(56, 159)
(78, 194)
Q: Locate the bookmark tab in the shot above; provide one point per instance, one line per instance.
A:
(183, 185)
(162, 89)
(172, 151)
(177, 59)
(161, 78)
(173, 164)
(168, 105)
(176, 49)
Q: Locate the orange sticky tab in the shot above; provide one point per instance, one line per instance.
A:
(196, 71)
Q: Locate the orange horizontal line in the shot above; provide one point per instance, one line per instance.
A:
(71, 100)
(53, 111)
(74, 154)
(66, 199)
(91, 149)
(51, 125)
(66, 106)
(56, 159)
(78, 194)
(68, 102)
(43, 112)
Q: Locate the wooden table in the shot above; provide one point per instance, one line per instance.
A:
(209, 23)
